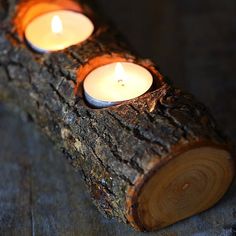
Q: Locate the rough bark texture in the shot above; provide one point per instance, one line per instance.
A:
(116, 146)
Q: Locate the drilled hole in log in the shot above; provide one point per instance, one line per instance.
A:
(186, 185)
(28, 10)
(99, 61)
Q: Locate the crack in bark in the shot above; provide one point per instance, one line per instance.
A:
(135, 130)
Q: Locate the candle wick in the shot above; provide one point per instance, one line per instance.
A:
(121, 82)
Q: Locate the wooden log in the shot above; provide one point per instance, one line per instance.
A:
(149, 162)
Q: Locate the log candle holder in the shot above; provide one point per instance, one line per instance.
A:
(150, 161)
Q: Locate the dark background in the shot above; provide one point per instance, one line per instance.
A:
(194, 44)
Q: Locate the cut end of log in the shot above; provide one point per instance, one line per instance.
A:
(186, 185)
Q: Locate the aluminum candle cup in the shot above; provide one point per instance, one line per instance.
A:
(58, 30)
(116, 82)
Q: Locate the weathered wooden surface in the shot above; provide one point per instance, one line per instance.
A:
(200, 76)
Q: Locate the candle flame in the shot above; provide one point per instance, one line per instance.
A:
(56, 25)
(120, 74)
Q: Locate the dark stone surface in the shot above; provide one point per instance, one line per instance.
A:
(194, 42)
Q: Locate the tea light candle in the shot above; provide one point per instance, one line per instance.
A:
(57, 30)
(116, 82)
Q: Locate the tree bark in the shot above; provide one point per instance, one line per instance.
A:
(150, 161)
